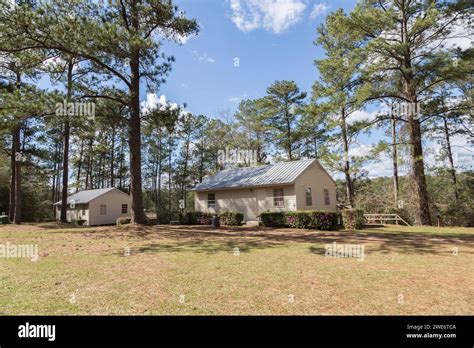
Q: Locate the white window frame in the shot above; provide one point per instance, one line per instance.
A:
(327, 197)
(279, 200)
(211, 203)
(126, 208)
(310, 197)
(103, 209)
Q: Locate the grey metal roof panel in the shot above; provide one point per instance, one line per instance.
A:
(273, 174)
(87, 195)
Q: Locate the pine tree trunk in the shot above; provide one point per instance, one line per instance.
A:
(201, 162)
(53, 188)
(112, 159)
(88, 168)
(155, 185)
(423, 216)
(67, 132)
(418, 168)
(11, 211)
(79, 166)
(450, 157)
(160, 169)
(137, 213)
(347, 171)
(122, 157)
(185, 171)
(17, 185)
(99, 174)
(59, 169)
(170, 169)
(288, 135)
(395, 160)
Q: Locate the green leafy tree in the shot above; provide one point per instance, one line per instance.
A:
(336, 92)
(407, 58)
(250, 120)
(119, 40)
(20, 101)
(282, 108)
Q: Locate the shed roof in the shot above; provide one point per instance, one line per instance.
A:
(86, 196)
(272, 174)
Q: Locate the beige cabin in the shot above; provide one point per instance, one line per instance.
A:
(288, 186)
(96, 207)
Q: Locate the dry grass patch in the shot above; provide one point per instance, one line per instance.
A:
(199, 270)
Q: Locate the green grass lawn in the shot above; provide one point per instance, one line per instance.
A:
(198, 270)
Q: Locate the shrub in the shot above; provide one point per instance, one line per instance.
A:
(319, 220)
(163, 218)
(455, 214)
(298, 219)
(231, 218)
(189, 218)
(323, 220)
(197, 218)
(273, 219)
(353, 219)
(204, 219)
(123, 221)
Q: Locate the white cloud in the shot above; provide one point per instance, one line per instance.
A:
(461, 147)
(459, 37)
(203, 57)
(238, 99)
(181, 39)
(154, 102)
(272, 15)
(319, 9)
(361, 115)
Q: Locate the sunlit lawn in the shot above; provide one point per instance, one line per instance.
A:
(200, 270)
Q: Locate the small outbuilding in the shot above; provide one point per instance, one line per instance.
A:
(96, 207)
(287, 186)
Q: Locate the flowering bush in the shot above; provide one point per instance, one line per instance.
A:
(197, 218)
(322, 220)
(319, 220)
(231, 218)
(228, 218)
(204, 219)
(298, 219)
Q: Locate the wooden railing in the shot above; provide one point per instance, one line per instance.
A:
(372, 219)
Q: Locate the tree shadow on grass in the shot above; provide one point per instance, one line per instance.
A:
(404, 242)
(204, 239)
(206, 247)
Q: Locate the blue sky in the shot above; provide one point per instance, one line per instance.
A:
(274, 42)
(246, 45)
(271, 40)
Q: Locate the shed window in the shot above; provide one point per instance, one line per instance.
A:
(103, 209)
(211, 200)
(124, 208)
(309, 197)
(278, 197)
(327, 200)
(83, 213)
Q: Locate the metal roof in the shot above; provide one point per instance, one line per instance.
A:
(87, 195)
(273, 174)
